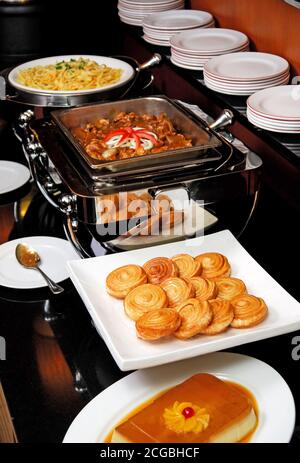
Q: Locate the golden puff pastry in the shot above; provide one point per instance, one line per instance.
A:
(159, 269)
(204, 289)
(178, 290)
(248, 311)
(195, 315)
(122, 280)
(157, 324)
(187, 266)
(144, 298)
(228, 288)
(222, 317)
(214, 265)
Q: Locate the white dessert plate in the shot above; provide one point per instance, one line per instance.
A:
(13, 175)
(208, 40)
(239, 90)
(175, 20)
(279, 102)
(275, 401)
(250, 66)
(118, 331)
(127, 74)
(54, 253)
(244, 84)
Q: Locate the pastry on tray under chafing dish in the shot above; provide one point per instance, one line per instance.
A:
(122, 280)
(222, 316)
(144, 298)
(248, 311)
(158, 324)
(195, 316)
(228, 288)
(159, 269)
(128, 135)
(204, 289)
(187, 266)
(178, 290)
(214, 265)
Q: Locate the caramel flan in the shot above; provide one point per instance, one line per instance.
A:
(201, 409)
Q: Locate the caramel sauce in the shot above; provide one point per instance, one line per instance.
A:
(241, 389)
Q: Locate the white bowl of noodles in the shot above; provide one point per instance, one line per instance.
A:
(70, 75)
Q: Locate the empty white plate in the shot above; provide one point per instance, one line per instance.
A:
(208, 40)
(175, 20)
(275, 402)
(249, 66)
(281, 103)
(12, 176)
(54, 253)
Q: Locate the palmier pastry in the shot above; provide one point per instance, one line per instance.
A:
(187, 265)
(177, 290)
(157, 324)
(159, 269)
(195, 315)
(228, 288)
(143, 299)
(204, 289)
(248, 311)
(222, 316)
(122, 280)
(214, 265)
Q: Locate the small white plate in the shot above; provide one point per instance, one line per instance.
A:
(127, 74)
(12, 176)
(275, 401)
(54, 253)
(130, 352)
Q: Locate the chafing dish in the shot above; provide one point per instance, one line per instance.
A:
(224, 179)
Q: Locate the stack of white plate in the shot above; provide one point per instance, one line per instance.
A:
(133, 11)
(192, 49)
(160, 27)
(276, 109)
(245, 73)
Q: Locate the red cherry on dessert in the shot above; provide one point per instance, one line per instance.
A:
(188, 412)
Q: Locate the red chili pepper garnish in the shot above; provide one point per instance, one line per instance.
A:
(114, 133)
(147, 135)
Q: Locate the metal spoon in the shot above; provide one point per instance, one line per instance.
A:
(29, 258)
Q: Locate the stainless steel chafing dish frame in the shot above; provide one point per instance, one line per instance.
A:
(63, 184)
(184, 123)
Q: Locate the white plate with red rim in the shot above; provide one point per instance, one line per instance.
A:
(275, 401)
(178, 20)
(209, 41)
(250, 66)
(282, 103)
(127, 74)
(130, 352)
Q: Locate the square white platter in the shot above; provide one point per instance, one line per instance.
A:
(118, 331)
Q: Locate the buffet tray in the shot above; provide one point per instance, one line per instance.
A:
(183, 120)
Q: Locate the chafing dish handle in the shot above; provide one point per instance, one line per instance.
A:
(37, 160)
